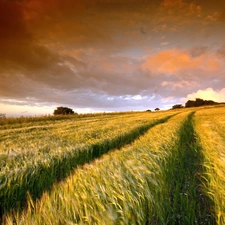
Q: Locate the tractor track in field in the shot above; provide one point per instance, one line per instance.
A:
(188, 203)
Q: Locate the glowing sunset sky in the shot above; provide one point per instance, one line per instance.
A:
(109, 55)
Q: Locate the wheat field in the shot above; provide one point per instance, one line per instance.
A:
(125, 168)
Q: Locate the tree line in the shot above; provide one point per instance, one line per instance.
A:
(196, 103)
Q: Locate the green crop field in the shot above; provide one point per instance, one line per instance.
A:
(121, 168)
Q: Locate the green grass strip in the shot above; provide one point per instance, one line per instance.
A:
(188, 204)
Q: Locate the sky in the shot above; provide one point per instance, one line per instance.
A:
(109, 55)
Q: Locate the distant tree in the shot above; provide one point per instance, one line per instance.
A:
(63, 111)
(2, 115)
(157, 109)
(177, 106)
(148, 110)
(199, 102)
(190, 103)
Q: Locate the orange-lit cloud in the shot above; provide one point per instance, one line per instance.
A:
(176, 7)
(176, 61)
(175, 15)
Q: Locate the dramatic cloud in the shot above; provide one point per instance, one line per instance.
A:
(102, 55)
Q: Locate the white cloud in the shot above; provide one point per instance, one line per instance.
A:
(208, 94)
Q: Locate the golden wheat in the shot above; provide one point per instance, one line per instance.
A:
(210, 126)
(126, 186)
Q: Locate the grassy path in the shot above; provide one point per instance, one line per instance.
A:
(188, 204)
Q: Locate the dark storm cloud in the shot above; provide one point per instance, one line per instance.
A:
(12, 22)
(25, 61)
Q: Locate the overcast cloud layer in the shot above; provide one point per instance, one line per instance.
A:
(110, 55)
